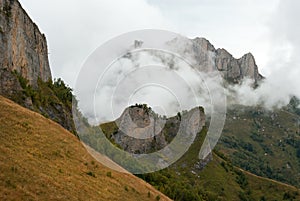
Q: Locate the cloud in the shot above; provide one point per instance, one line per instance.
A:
(159, 77)
(237, 26)
(283, 64)
(284, 60)
(75, 28)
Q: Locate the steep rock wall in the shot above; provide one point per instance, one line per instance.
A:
(23, 48)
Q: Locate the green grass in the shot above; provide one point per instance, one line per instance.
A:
(264, 143)
(219, 179)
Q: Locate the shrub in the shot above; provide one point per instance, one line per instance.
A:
(91, 174)
(109, 174)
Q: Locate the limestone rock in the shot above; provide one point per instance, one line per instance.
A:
(141, 131)
(206, 58)
(233, 70)
(23, 48)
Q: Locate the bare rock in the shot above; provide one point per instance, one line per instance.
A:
(143, 131)
(23, 48)
(206, 58)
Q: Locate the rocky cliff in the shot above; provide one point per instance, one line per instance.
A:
(207, 58)
(233, 70)
(140, 130)
(23, 48)
(25, 75)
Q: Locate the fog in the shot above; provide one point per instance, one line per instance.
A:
(269, 29)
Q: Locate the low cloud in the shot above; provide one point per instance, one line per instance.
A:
(282, 79)
(169, 84)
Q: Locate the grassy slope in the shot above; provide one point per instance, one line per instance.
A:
(39, 160)
(219, 180)
(264, 143)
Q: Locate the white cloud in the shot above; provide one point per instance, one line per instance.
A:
(283, 59)
(75, 28)
(269, 29)
(238, 26)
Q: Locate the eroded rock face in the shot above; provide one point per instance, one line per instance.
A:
(141, 131)
(208, 59)
(233, 70)
(9, 84)
(23, 48)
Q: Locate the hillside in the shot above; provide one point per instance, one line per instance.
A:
(266, 143)
(39, 160)
(214, 178)
(25, 74)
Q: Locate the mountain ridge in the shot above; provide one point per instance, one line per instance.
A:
(232, 70)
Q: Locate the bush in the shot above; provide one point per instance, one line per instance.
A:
(91, 174)
(51, 99)
(109, 174)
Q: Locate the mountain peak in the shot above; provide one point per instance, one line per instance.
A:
(206, 58)
(204, 43)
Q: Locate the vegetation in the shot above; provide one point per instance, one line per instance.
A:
(53, 99)
(215, 178)
(7, 9)
(42, 161)
(144, 107)
(219, 180)
(263, 142)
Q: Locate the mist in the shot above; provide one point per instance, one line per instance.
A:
(283, 70)
(170, 83)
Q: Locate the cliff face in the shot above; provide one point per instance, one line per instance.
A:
(23, 48)
(25, 75)
(233, 70)
(140, 130)
(208, 59)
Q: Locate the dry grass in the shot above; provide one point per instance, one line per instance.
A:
(39, 160)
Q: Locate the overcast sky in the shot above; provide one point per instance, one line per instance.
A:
(268, 29)
(75, 28)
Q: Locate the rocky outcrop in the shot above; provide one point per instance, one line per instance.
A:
(233, 70)
(9, 84)
(140, 130)
(208, 59)
(23, 48)
(25, 75)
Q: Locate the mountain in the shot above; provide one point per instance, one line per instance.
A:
(206, 58)
(264, 142)
(40, 160)
(25, 75)
(189, 178)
